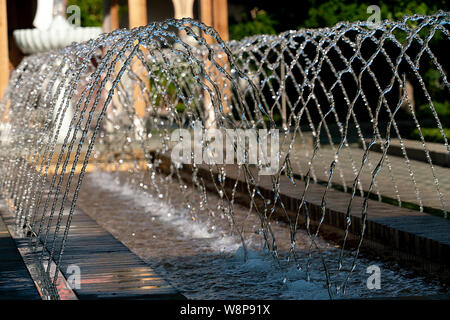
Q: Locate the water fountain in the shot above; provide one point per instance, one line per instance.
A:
(53, 31)
(324, 90)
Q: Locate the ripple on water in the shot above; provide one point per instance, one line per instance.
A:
(204, 260)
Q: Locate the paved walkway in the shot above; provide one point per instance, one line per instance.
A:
(415, 150)
(393, 181)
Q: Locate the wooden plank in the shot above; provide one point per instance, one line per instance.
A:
(137, 15)
(4, 55)
(109, 270)
(206, 16)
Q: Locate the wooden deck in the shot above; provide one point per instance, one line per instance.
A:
(109, 270)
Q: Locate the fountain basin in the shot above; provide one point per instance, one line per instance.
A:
(35, 40)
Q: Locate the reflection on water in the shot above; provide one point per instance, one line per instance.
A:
(203, 258)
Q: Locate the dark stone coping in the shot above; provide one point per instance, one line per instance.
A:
(418, 239)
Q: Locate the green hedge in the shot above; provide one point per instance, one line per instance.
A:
(431, 134)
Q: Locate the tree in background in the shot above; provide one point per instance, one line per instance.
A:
(282, 15)
(326, 13)
(252, 17)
